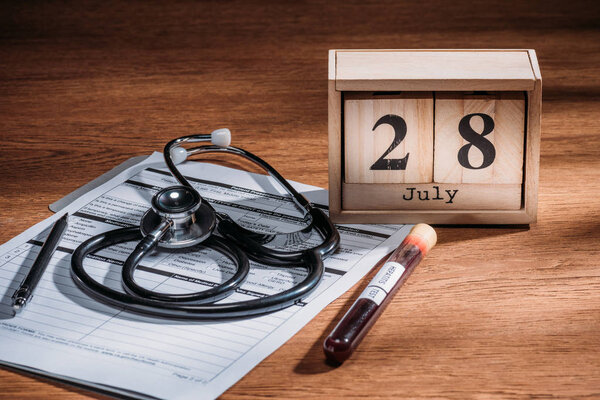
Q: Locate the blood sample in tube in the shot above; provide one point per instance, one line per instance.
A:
(355, 324)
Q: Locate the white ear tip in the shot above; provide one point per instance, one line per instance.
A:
(178, 155)
(221, 137)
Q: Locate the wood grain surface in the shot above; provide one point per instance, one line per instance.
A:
(491, 313)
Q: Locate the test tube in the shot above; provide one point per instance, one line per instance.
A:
(355, 324)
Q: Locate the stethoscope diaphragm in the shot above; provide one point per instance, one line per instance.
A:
(191, 220)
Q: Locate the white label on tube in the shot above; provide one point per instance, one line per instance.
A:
(383, 282)
(373, 293)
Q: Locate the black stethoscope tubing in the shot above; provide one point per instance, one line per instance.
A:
(178, 310)
(238, 244)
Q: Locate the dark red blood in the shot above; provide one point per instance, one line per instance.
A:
(355, 324)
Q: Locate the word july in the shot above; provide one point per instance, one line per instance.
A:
(423, 195)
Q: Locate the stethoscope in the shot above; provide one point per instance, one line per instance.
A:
(180, 219)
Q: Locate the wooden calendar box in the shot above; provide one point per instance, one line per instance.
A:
(436, 136)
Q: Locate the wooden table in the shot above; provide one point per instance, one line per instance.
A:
(492, 313)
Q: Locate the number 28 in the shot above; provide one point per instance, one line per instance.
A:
(464, 128)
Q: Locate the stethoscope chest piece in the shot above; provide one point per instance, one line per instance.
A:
(192, 220)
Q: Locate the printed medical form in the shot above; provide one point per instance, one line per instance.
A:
(65, 334)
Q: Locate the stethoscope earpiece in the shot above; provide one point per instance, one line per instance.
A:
(218, 137)
(221, 137)
(178, 155)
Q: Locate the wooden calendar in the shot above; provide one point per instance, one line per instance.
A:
(435, 136)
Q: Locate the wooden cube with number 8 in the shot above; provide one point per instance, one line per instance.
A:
(479, 138)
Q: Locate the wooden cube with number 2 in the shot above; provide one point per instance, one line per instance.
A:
(388, 138)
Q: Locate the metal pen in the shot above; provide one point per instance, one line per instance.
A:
(353, 327)
(25, 291)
